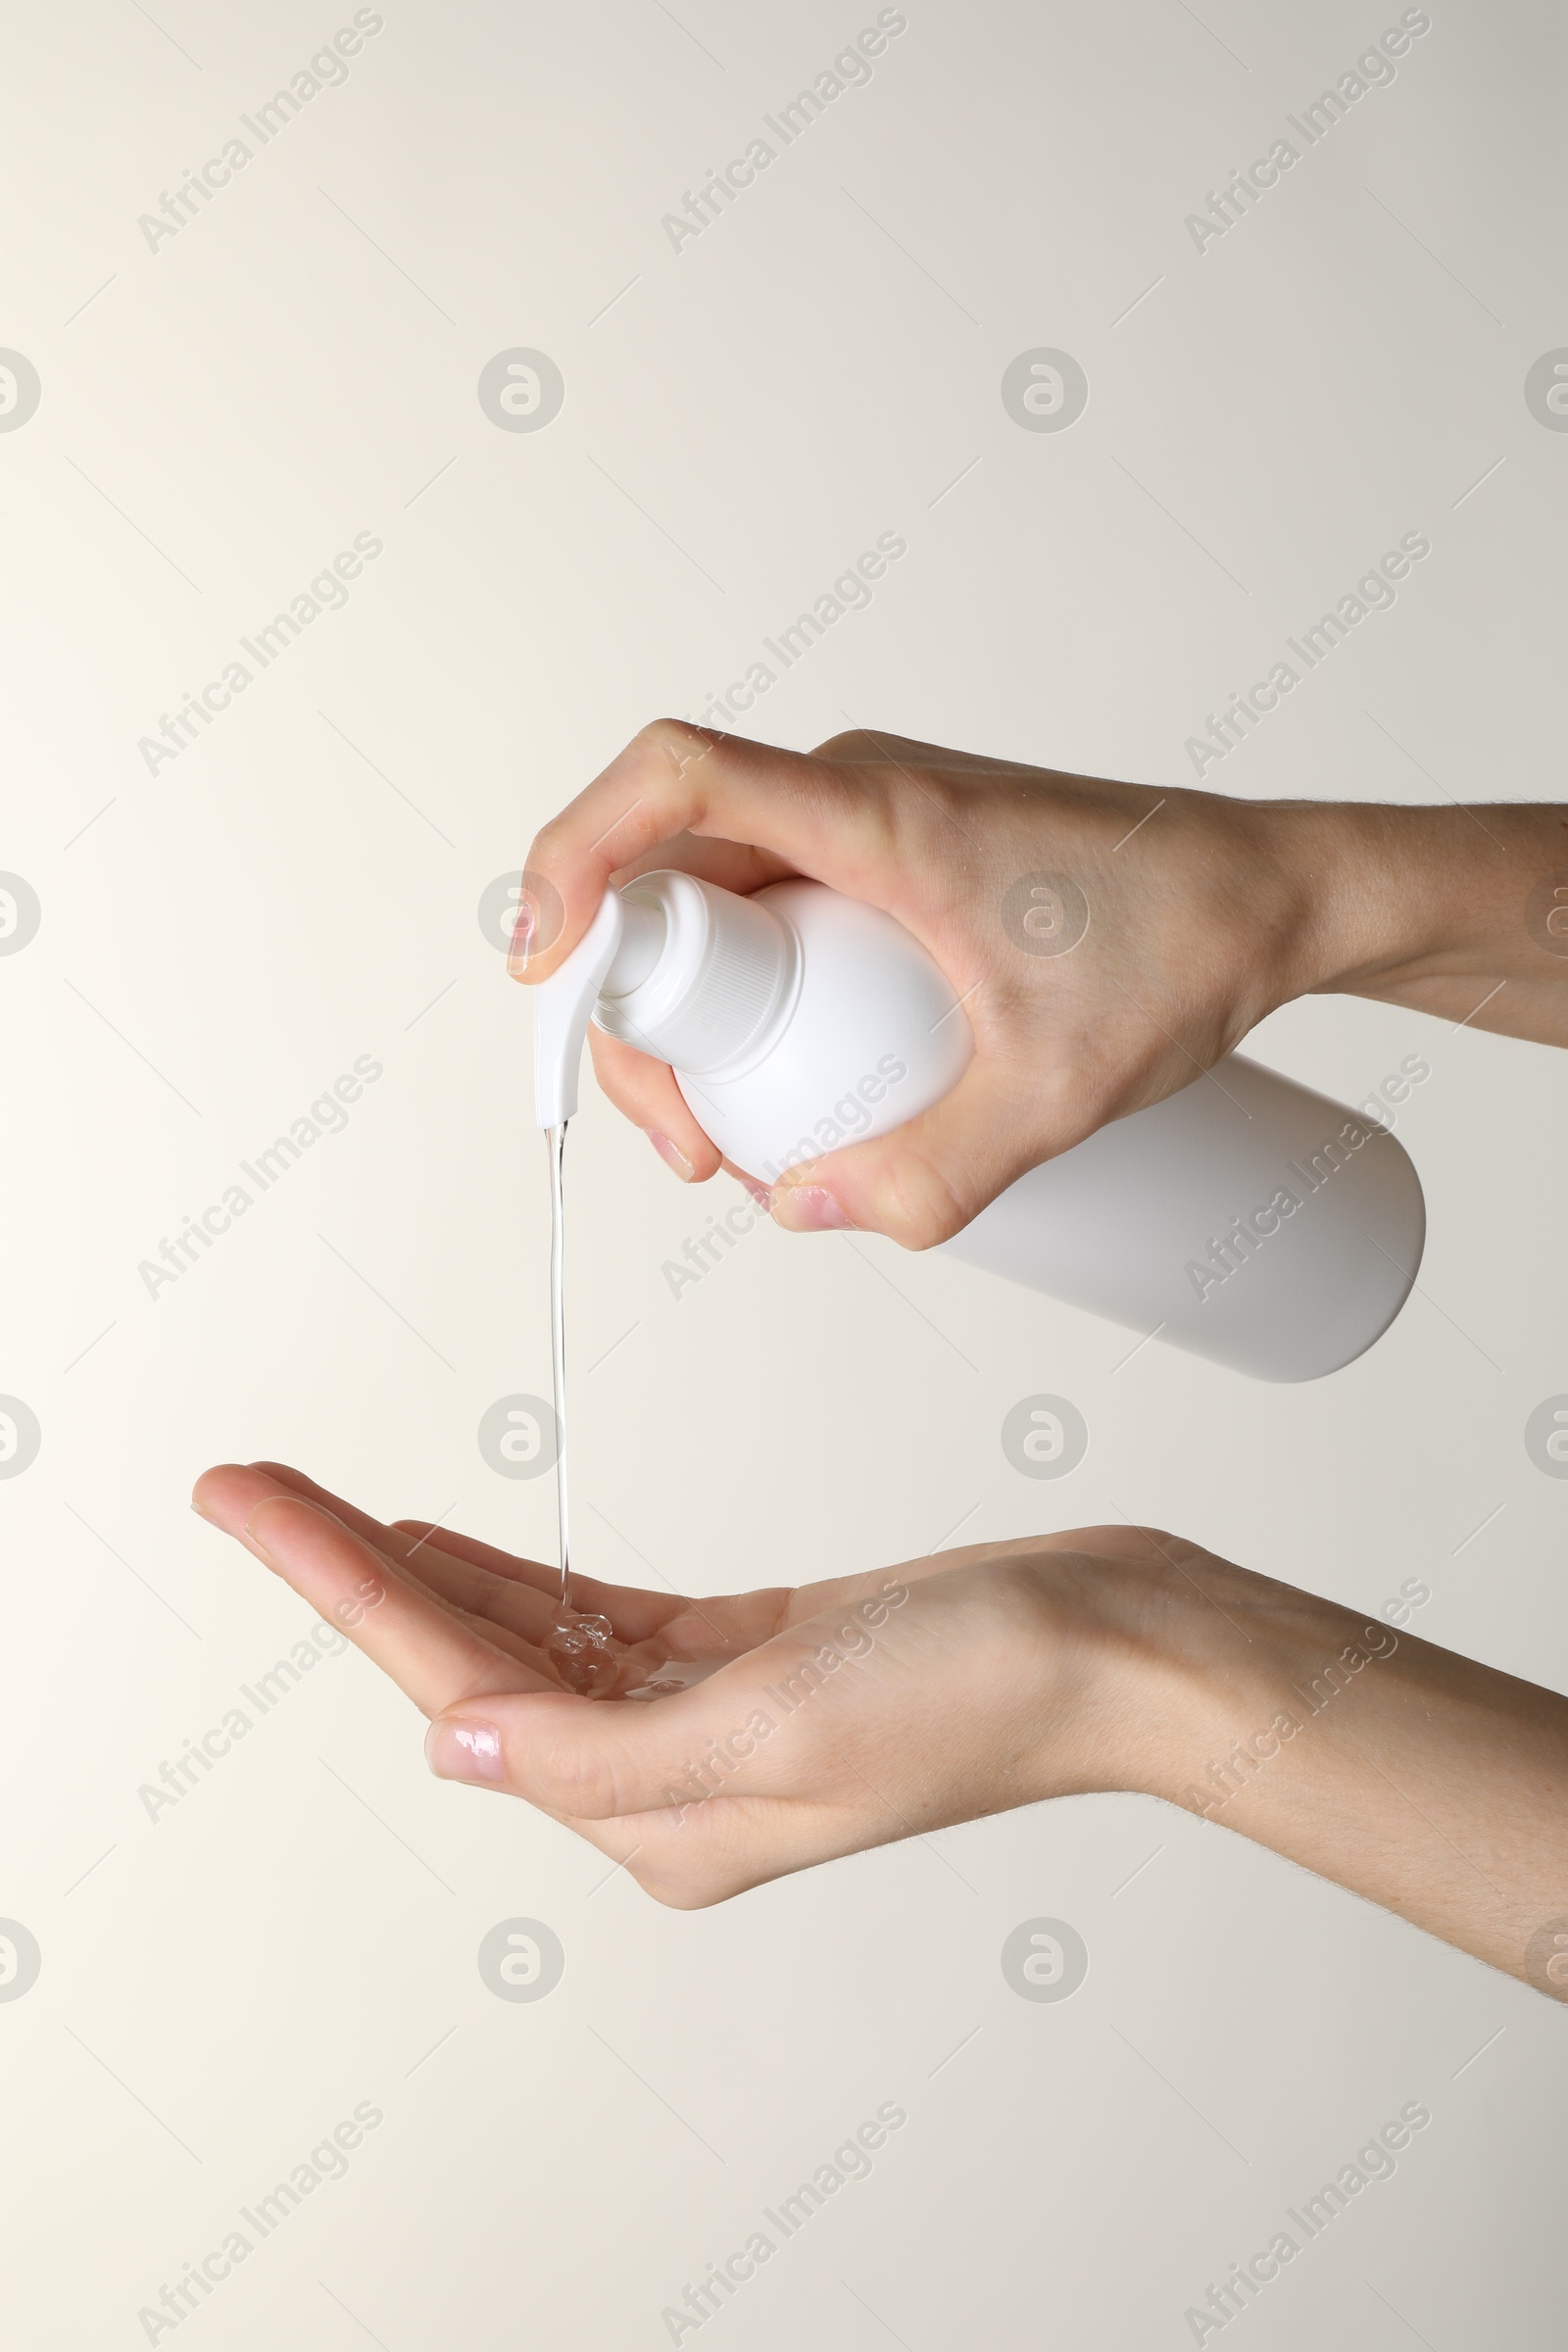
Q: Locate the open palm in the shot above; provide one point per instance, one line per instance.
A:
(832, 1716)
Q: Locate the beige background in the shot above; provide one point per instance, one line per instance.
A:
(219, 417)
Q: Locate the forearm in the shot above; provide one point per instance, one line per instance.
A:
(1434, 1785)
(1436, 909)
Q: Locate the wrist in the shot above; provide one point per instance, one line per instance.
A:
(1188, 1675)
(1416, 1778)
(1365, 889)
(1390, 896)
(1146, 1649)
(1261, 1733)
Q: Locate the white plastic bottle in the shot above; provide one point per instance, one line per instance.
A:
(1245, 1219)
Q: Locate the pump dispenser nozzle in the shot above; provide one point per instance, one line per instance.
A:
(561, 1007)
(688, 973)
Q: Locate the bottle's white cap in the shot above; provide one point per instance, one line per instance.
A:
(700, 976)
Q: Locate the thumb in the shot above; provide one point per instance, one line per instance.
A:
(600, 1759)
(924, 1181)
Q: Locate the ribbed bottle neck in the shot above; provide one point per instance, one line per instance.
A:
(702, 977)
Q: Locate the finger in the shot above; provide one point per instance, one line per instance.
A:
(728, 1625)
(384, 1533)
(230, 1498)
(227, 1496)
(521, 1608)
(520, 1619)
(508, 1611)
(527, 1592)
(675, 778)
(543, 1579)
(623, 1757)
(922, 1182)
(513, 1645)
(409, 1634)
(633, 1610)
(480, 1593)
(713, 1626)
(645, 1091)
(432, 1657)
(738, 865)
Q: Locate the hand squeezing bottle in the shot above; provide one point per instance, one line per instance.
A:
(1246, 1219)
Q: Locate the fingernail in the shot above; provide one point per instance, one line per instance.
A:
(258, 1544)
(670, 1154)
(761, 1198)
(808, 1208)
(522, 931)
(201, 1514)
(464, 1751)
